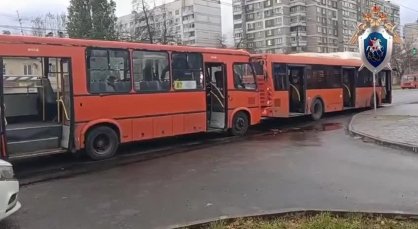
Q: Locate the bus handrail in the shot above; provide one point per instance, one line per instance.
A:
(296, 89)
(348, 89)
(64, 108)
(219, 90)
(219, 100)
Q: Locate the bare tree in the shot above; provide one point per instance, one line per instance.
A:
(38, 27)
(144, 24)
(403, 60)
(49, 23)
(241, 43)
(165, 33)
(154, 25)
(222, 41)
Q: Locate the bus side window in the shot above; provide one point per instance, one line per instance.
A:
(151, 71)
(187, 71)
(244, 76)
(108, 70)
(279, 77)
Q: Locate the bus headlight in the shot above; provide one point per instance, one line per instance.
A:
(7, 173)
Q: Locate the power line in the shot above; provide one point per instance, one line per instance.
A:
(407, 7)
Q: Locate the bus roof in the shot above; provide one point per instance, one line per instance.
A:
(10, 39)
(302, 59)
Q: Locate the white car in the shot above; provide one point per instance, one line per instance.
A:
(9, 190)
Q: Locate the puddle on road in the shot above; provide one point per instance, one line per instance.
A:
(303, 136)
(316, 127)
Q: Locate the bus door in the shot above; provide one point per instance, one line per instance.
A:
(349, 86)
(65, 102)
(3, 139)
(216, 95)
(386, 83)
(297, 85)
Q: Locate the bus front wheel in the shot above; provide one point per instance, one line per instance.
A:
(317, 110)
(240, 124)
(101, 143)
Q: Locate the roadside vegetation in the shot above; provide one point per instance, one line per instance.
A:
(321, 221)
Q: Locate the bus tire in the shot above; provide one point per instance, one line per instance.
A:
(240, 124)
(317, 110)
(101, 143)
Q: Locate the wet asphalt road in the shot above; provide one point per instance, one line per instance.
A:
(316, 166)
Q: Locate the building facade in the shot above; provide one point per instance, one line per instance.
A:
(187, 22)
(287, 26)
(410, 32)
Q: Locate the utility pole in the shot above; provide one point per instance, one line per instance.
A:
(20, 22)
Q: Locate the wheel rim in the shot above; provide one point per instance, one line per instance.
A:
(101, 143)
(240, 124)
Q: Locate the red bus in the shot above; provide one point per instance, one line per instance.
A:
(89, 95)
(292, 85)
(409, 81)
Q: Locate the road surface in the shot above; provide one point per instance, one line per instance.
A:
(316, 166)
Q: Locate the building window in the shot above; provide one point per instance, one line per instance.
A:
(4, 69)
(108, 71)
(177, 12)
(244, 77)
(27, 70)
(187, 71)
(151, 71)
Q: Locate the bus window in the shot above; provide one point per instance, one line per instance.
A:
(108, 71)
(279, 77)
(244, 77)
(324, 77)
(365, 78)
(187, 71)
(151, 71)
(258, 67)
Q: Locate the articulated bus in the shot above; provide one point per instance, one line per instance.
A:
(66, 95)
(292, 85)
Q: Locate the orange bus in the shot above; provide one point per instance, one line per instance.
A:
(60, 94)
(292, 85)
(409, 81)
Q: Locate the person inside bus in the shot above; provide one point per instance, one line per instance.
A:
(346, 88)
(111, 84)
(295, 86)
(148, 71)
(179, 65)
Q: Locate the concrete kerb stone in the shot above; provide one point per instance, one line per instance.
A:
(399, 215)
(385, 142)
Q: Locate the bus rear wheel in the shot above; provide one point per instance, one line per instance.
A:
(240, 124)
(317, 110)
(101, 143)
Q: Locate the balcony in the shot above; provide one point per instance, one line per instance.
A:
(297, 2)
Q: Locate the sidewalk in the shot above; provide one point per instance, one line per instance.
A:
(394, 126)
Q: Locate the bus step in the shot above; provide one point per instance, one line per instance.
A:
(33, 145)
(39, 153)
(32, 130)
(294, 114)
(349, 108)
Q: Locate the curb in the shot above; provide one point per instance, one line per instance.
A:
(296, 211)
(380, 141)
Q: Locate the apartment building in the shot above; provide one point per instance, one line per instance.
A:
(287, 26)
(410, 32)
(187, 22)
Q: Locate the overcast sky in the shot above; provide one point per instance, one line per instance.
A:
(32, 8)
